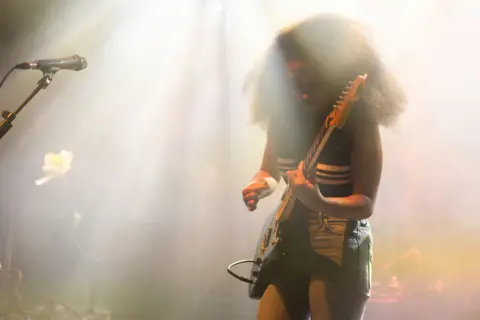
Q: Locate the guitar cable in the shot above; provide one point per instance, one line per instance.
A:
(6, 75)
(233, 274)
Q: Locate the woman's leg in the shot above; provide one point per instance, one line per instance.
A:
(355, 281)
(318, 299)
(335, 301)
(346, 297)
(286, 298)
(271, 306)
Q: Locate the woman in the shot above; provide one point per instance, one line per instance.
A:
(295, 88)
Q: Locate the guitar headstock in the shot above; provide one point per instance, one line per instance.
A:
(350, 95)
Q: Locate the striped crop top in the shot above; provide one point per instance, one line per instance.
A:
(334, 173)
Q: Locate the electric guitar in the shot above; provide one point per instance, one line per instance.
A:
(267, 249)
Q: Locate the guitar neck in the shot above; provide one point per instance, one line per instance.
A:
(335, 119)
(310, 163)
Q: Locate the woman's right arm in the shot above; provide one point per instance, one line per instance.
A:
(265, 180)
(269, 168)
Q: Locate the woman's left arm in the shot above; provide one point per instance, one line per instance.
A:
(366, 164)
(366, 170)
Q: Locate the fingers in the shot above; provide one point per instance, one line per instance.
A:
(300, 167)
(251, 205)
(299, 171)
(250, 196)
(295, 177)
(251, 199)
(291, 175)
(253, 187)
(247, 190)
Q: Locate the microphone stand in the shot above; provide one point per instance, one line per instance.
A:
(6, 125)
(9, 117)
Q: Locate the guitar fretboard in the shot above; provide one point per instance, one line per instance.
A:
(310, 162)
(318, 144)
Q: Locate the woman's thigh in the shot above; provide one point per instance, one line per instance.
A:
(319, 293)
(345, 297)
(333, 301)
(271, 305)
(286, 297)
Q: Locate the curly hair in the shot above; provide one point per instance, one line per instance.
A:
(338, 49)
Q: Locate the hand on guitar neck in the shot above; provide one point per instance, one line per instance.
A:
(303, 189)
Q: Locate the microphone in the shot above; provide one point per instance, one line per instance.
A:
(74, 62)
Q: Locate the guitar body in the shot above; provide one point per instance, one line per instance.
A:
(263, 261)
(271, 248)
